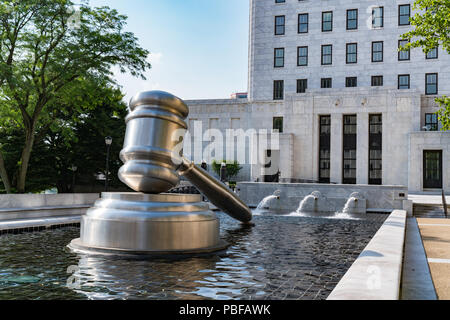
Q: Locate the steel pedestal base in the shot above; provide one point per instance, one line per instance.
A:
(136, 224)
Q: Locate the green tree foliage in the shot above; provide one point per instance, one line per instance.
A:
(48, 53)
(233, 167)
(431, 30)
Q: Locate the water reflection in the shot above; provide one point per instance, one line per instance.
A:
(280, 257)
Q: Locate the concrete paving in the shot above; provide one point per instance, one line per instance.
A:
(436, 239)
(428, 198)
(417, 283)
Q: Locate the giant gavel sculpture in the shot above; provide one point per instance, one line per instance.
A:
(150, 221)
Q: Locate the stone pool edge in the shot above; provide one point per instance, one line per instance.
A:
(376, 274)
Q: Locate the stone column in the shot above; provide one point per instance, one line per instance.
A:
(362, 149)
(337, 128)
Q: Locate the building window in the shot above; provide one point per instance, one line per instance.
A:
(352, 53)
(404, 13)
(302, 56)
(377, 51)
(278, 124)
(352, 19)
(325, 83)
(280, 1)
(278, 58)
(377, 81)
(403, 81)
(279, 25)
(327, 54)
(431, 83)
(324, 148)
(349, 148)
(403, 55)
(327, 21)
(303, 22)
(375, 149)
(278, 90)
(378, 17)
(302, 85)
(432, 169)
(431, 122)
(351, 82)
(432, 54)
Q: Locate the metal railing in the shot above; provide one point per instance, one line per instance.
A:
(444, 203)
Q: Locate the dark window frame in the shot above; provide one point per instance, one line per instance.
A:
(323, 55)
(299, 24)
(427, 57)
(324, 81)
(275, 57)
(434, 125)
(347, 53)
(298, 56)
(377, 77)
(276, 124)
(400, 52)
(348, 81)
(409, 81)
(324, 145)
(349, 141)
(382, 51)
(382, 17)
(278, 92)
(323, 21)
(348, 20)
(300, 88)
(437, 83)
(283, 25)
(375, 144)
(403, 15)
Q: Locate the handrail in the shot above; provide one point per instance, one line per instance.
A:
(444, 203)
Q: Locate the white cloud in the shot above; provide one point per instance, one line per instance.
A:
(155, 58)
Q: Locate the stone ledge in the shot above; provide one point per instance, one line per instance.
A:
(376, 273)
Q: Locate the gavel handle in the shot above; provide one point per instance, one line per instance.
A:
(217, 192)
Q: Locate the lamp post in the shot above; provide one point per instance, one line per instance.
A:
(74, 168)
(108, 141)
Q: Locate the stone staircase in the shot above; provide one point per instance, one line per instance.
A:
(422, 210)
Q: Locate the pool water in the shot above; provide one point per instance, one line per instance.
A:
(282, 257)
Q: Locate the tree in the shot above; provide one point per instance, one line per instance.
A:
(233, 167)
(43, 55)
(432, 30)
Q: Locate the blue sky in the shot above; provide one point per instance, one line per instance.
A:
(199, 48)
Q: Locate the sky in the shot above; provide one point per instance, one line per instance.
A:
(199, 48)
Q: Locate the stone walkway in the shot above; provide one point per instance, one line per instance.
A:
(436, 240)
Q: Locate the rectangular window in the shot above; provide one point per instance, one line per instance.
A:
(303, 23)
(278, 124)
(280, 1)
(351, 82)
(349, 148)
(302, 56)
(403, 55)
(403, 81)
(278, 90)
(432, 169)
(377, 51)
(375, 149)
(431, 83)
(302, 85)
(377, 17)
(327, 54)
(324, 148)
(278, 58)
(279, 25)
(352, 53)
(377, 81)
(352, 19)
(326, 83)
(404, 13)
(431, 122)
(432, 54)
(327, 21)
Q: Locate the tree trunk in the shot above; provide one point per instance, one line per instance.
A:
(25, 160)
(4, 175)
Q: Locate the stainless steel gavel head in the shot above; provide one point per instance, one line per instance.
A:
(151, 163)
(148, 148)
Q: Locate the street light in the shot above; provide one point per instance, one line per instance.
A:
(108, 141)
(74, 168)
